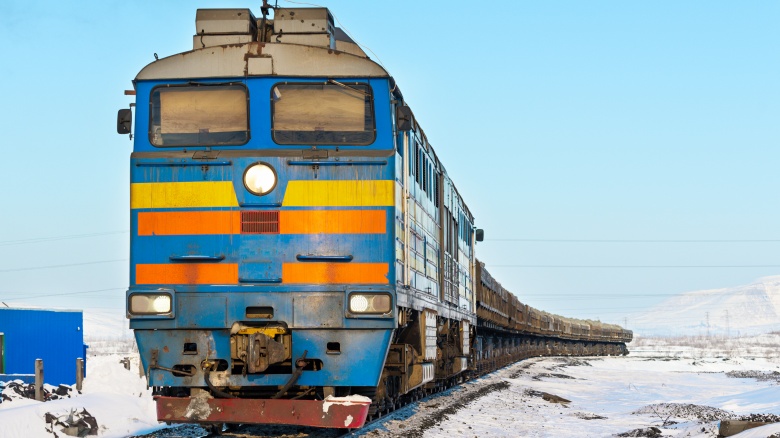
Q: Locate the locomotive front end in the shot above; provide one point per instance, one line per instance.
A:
(262, 206)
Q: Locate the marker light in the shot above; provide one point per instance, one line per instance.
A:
(260, 179)
(150, 304)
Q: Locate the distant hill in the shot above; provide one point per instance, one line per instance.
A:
(740, 310)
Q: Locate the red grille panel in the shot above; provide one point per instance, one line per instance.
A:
(259, 222)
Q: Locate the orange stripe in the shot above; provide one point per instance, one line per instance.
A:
(177, 223)
(187, 273)
(189, 222)
(336, 273)
(332, 222)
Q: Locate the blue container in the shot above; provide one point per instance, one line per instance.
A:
(56, 336)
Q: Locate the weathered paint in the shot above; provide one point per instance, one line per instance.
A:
(340, 193)
(332, 222)
(177, 223)
(288, 60)
(335, 273)
(170, 223)
(363, 350)
(316, 413)
(182, 194)
(186, 273)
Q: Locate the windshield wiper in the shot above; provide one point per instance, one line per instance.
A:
(331, 81)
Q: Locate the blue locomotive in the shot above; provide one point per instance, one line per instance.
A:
(299, 255)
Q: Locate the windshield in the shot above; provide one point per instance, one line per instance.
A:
(332, 113)
(199, 116)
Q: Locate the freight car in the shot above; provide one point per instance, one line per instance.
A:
(299, 254)
(508, 330)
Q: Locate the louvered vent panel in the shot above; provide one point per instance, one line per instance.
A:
(259, 222)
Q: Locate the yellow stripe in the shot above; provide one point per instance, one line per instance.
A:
(183, 194)
(372, 193)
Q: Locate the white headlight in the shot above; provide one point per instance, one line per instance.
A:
(161, 304)
(374, 303)
(358, 303)
(150, 304)
(260, 179)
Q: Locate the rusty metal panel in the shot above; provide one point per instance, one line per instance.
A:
(288, 60)
(316, 39)
(303, 20)
(313, 310)
(225, 21)
(201, 41)
(331, 413)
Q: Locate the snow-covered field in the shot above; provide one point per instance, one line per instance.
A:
(682, 397)
(117, 398)
(681, 386)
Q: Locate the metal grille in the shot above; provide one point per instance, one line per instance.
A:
(259, 222)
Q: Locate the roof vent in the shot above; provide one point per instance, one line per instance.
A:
(219, 27)
(308, 26)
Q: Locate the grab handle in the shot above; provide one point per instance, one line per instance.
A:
(197, 258)
(323, 258)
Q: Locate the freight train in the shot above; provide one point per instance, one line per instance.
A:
(299, 254)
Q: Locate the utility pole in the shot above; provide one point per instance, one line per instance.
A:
(708, 324)
(625, 322)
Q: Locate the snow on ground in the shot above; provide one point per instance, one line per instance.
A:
(116, 397)
(681, 390)
(606, 396)
(659, 383)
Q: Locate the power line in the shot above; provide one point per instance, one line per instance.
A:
(631, 295)
(62, 266)
(636, 240)
(635, 266)
(28, 297)
(53, 238)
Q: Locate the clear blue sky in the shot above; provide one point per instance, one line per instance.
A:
(558, 120)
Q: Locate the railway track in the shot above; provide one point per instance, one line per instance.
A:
(437, 404)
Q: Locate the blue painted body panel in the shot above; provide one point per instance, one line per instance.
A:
(57, 337)
(315, 314)
(359, 364)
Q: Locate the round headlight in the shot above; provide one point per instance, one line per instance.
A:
(260, 178)
(358, 303)
(161, 304)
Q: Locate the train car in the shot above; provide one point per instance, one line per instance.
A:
(533, 332)
(299, 254)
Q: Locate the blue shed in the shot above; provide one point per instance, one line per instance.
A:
(56, 336)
